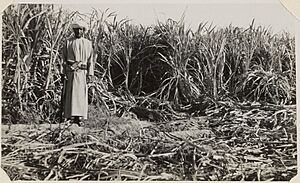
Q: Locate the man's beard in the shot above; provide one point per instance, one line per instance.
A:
(78, 35)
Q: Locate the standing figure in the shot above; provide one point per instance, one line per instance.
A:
(77, 66)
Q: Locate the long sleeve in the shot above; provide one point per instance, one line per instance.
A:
(90, 63)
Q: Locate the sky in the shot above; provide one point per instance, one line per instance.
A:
(268, 13)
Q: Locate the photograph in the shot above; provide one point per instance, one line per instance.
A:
(149, 91)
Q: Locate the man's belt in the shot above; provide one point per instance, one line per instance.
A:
(82, 67)
(76, 65)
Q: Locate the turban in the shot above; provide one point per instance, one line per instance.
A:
(79, 25)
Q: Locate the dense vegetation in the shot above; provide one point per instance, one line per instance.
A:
(161, 73)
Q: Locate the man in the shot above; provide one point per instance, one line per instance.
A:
(77, 66)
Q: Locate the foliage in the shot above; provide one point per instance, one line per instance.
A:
(32, 36)
(166, 61)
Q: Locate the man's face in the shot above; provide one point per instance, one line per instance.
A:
(78, 32)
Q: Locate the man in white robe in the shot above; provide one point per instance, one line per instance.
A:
(78, 65)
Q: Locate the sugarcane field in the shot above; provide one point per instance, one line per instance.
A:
(99, 97)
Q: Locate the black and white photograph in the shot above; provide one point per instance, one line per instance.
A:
(149, 91)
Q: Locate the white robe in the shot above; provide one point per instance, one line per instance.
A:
(75, 89)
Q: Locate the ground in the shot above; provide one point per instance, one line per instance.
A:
(239, 144)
